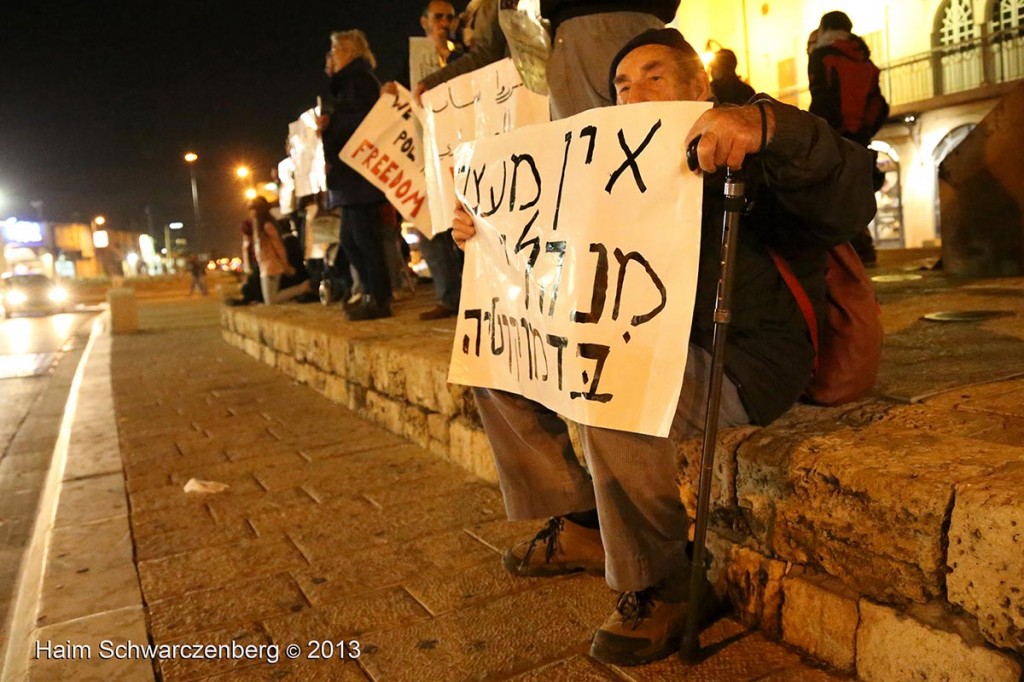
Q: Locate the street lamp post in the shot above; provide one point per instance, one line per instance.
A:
(190, 159)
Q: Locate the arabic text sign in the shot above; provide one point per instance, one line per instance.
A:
(387, 150)
(579, 287)
(481, 103)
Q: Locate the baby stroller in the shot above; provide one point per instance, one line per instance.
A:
(336, 279)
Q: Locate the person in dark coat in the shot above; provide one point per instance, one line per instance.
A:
(725, 84)
(354, 91)
(621, 516)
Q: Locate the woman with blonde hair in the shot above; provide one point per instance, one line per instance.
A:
(354, 91)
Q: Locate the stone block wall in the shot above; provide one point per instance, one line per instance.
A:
(879, 539)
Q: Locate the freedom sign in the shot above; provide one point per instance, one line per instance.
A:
(387, 150)
(480, 103)
(578, 290)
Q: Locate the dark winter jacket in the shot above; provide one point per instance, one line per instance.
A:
(811, 190)
(731, 90)
(354, 91)
(557, 11)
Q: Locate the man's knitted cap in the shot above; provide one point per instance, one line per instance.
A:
(669, 37)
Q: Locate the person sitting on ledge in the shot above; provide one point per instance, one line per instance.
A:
(621, 517)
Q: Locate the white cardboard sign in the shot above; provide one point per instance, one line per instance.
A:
(578, 290)
(387, 150)
(306, 150)
(423, 59)
(488, 101)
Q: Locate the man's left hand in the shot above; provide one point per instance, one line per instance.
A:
(729, 134)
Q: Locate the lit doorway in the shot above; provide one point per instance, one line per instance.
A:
(947, 144)
(887, 225)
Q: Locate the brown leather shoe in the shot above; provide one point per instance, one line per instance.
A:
(438, 312)
(559, 548)
(648, 625)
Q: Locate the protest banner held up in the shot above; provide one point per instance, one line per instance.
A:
(579, 288)
(484, 102)
(387, 150)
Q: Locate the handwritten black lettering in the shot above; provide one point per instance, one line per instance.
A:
(631, 157)
(516, 160)
(598, 353)
(473, 314)
(477, 179)
(597, 298)
(559, 343)
(591, 132)
(624, 260)
(531, 260)
(538, 343)
(495, 323)
(496, 202)
(559, 248)
(561, 181)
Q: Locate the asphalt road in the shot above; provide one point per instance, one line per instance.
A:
(38, 358)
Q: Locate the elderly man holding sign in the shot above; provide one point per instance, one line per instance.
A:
(622, 515)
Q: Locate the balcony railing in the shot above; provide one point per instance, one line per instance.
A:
(988, 60)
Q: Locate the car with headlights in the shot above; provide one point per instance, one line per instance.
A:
(32, 293)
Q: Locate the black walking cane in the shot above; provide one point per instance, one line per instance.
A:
(735, 202)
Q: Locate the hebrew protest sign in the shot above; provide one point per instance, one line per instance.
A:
(578, 290)
(306, 151)
(484, 102)
(387, 150)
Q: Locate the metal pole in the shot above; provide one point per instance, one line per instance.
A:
(734, 204)
(195, 204)
(167, 248)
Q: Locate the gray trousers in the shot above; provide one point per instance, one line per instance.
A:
(581, 55)
(632, 479)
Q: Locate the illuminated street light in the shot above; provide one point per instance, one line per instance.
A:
(242, 172)
(708, 55)
(250, 194)
(191, 157)
(99, 220)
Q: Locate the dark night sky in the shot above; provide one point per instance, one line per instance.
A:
(100, 100)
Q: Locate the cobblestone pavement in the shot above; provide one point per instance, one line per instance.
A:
(339, 537)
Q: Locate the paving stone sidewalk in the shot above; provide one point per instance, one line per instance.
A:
(335, 531)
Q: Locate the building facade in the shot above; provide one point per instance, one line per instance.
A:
(945, 63)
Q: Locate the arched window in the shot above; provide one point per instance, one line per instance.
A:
(1007, 15)
(956, 32)
(1007, 44)
(957, 25)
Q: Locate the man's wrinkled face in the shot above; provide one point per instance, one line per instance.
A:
(438, 20)
(653, 73)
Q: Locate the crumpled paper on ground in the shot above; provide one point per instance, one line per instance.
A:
(196, 485)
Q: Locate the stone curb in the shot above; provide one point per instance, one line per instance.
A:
(80, 584)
